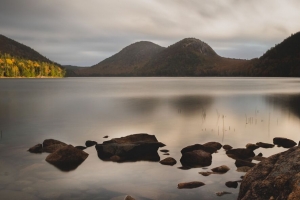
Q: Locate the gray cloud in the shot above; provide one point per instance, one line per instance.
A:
(85, 32)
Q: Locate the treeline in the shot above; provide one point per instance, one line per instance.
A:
(11, 66)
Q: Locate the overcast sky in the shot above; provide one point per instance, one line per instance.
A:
(83, 33)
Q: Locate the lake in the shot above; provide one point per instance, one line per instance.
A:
(178, 111)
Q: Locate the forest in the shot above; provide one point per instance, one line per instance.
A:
(11, 66)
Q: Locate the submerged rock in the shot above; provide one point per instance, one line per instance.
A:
(215, 145)
(196, 158)
(232, 184)
(198, 147)
(240, 153)
(90, 143)
(251, 146)
(284, 142)
(130, 148)
(221, 169)
(265, 145)
(227, 147)
(168, 161)
(51, 145)
(67, 158)
(277, 176)
(190, 185)
(38, 148)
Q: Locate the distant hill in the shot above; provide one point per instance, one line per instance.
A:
(17, 49)
(283, 60)
(126, 62)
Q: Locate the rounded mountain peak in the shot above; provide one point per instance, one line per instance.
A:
(196, 45)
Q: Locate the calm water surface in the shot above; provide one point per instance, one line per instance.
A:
(179, 111)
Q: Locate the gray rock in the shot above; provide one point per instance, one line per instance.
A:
(277, 176)
(168, 161)
(197, 158)
(284, 142)
(190, 185)
(67, 158)
(36, 149)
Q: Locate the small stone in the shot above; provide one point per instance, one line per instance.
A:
(260, 154)
(105, 136)
(90, 143)
(227, 147)
(168, 161)
(206, 173)
(215, 145)
(128, 197)
(36, 149)
(231, 184)
(164, 150)
(240, 163)
(222, 193)
(190, 185)
(252, 146)
(166, 154)
(80, 147)
(221, 169)
(265, 145)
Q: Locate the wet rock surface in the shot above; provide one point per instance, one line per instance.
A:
(90, 143)
(215, 145)
(190, 185)
(198, 147)
(221, 169)
(240, 153)
(196, 158)
(265, 145)
(284, 142)
(130, 148)
(38, 148)
(51, 145)
(67, 158)
(227, 147)
(277, 176)
(168, 161)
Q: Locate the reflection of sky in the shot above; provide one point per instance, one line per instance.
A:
(179, 112)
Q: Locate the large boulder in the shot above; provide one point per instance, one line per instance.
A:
(67, 158)
(198, 147)
(277, 177)
(196, 158)
(215, 145)
(51, 145)
(240, 153)
(130, 148)
(284, 142)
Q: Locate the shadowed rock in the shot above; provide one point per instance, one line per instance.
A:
(36, 149)
(277, 176)
(252, 146)
(206, 173)
(222, 193)
(166, 154)
(128, 197)
(221, 169)
(80, 147)
(90, 143)
(232, 184)
(258, 158)
(67, 158)
(243, 169)
(130, 148)
(190, 185)
(240, 163)
(164, 150)
(168, 161)
(198, 147)
(264, 145)
(215, 145)
(105, 136)
(227, 147)
(197, 158)
(284, 142)
(51, 145)
(240, 153)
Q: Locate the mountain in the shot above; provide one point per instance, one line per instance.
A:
(283, 60)
(16, 49)
(124, 63)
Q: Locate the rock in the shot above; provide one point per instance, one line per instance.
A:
(168, 161)
(190, 185)
(115, 158)
(67, 158)
(284, 142)
(277, 176)
(164, 150)
(251, 146)
(130, 148)
(105, 136)
(241, 163)
(232, 184)
(227, 147)
(90, 143)
(222, 193)
(221, 169)
(260, 154)
(197, 158)
(206, 173)
(258, 158)
(215, 145)
(198, 147)
(51, 145)
(166, 154)
(243, 169)
(36, 149)
(80, 147)
(240, 153)
(129, 198)
(264, 145)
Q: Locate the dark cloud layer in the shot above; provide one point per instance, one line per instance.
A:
(85, 32)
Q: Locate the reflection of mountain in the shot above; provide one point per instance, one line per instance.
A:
(287, 102)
